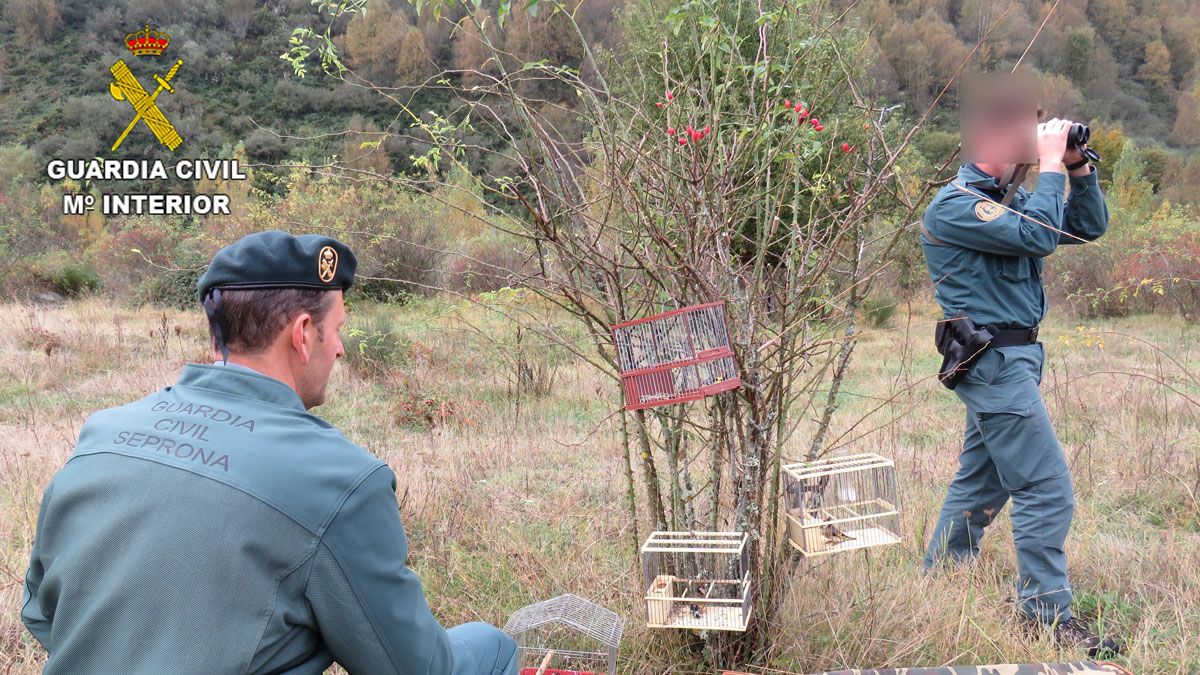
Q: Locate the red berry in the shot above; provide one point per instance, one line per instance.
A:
(670, 95)
(658, 104)
(819, 127)
(799, 106)
(670, 131)
(787, 103)
(845, 147)
(706, 129)
(814, 121)
(683, 140)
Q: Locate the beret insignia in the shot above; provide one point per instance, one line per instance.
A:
(327, 262)
(988, 211)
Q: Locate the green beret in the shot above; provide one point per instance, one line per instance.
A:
(276, 259)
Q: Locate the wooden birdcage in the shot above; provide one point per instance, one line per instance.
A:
(841, 504)
(566, 635)
(698, 580)
(676, 356)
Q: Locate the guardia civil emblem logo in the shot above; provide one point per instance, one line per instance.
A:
(327, 261)
(988, 211)
(126, 87)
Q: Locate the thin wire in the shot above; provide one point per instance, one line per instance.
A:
(1014, 211)
(1036, 33)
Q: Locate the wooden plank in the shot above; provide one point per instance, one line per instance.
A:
(840, 460)
(702, 533)
(851, 463)
(869, 538)
(695, 542)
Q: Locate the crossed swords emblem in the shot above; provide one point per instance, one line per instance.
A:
(126, 87)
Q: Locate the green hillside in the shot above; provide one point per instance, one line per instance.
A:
(1120, 63)
(1129, 68)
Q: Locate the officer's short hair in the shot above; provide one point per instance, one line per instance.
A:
(256, 316)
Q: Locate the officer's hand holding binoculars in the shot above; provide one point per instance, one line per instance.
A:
(1052, 143)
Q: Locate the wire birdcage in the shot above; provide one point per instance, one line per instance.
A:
(841, 504)
(676, 356)
(697, 580)
(566, 635)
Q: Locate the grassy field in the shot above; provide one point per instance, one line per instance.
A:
(510, 499)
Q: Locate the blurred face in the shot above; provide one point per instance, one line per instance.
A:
(999, 120)
(320, 347)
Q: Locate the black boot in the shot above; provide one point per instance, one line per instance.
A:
(1074, 633)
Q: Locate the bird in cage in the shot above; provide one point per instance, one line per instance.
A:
(833, 535)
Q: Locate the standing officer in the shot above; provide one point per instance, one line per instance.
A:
(217, 527)
(985, 260)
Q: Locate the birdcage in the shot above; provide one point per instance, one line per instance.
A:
(697, 580)
(677, 356)
(566, 635)
(841, 504)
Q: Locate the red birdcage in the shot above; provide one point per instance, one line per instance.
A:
(676, 356)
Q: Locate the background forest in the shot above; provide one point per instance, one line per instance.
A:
(1128, 67)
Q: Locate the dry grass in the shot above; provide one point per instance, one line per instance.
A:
(506, 505)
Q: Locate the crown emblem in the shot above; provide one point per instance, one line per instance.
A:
(146, 42)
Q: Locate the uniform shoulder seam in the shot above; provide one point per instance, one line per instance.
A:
(376, 465)
(313, 529)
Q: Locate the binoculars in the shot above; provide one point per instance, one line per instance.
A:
(1078, 137)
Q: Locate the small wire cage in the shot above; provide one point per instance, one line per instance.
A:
(677, 356)
(566, 635)
(698, 580)
(841, 504)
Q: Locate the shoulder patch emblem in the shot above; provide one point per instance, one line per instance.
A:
(988, 211)
(327, 261)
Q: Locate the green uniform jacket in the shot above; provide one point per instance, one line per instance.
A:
(987, 261)
(217, 527)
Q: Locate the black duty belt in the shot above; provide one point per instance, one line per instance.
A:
(961, 343)
(1013, 337)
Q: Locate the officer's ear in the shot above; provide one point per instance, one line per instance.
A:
(299, 329)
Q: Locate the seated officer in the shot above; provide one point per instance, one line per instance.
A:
(986, 261)
(215, 526)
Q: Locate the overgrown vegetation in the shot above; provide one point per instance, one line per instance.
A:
(1130, 69)
(376, 349)
(503, 510)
